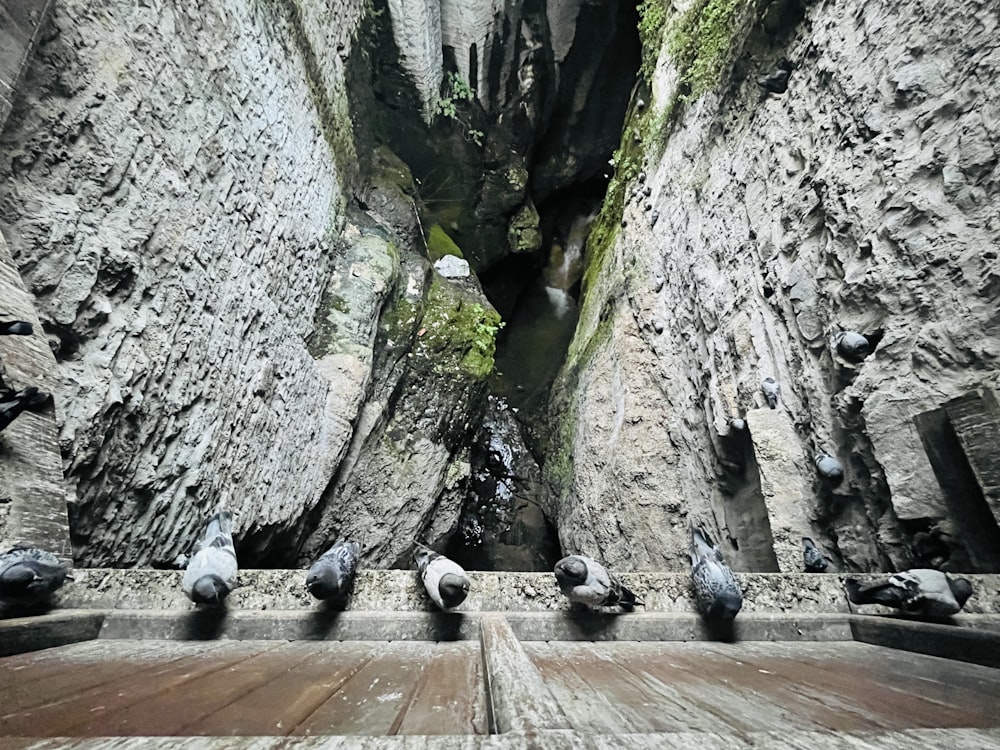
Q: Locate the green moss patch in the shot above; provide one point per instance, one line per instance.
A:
(700, 42)
(457, 333)
(439, 244)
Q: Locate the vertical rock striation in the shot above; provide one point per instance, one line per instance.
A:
(171, 193)
(864, 199)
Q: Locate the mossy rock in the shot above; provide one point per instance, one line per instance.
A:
(523, 233)
(458, 333)
(440, 244)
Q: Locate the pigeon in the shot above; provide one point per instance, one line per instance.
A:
(852, 346)
(586, 581)
(812, 557)
(771, 391)
(777, 81)
(920, 592)
(29, 575)
(211, 573)
(829, 468)
(331, 576)
(13, 404)
(930, 548)
(445, 581)
(15, 328)
(717, 593)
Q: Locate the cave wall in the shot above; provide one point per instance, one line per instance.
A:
(864, 198)
(172, 188)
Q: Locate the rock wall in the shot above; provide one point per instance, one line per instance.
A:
(865, 198)
(170, 191)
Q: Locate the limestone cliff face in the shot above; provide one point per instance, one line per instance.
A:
(174, 188)
(171, 199)
(865, 199)
(240, 301)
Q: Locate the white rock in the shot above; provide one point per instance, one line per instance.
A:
(452, 267)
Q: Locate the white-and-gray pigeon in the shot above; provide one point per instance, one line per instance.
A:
(444, 579)
(920, 592)
(212, 570)
(28, 576)
(585, 581)
(332, 575)
(829, 468)
(717, 593)
(812, 557)
(772, 391)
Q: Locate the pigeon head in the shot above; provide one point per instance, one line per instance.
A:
(571, 571)
(961, 589)
(453, 589)
(324, 583)
(209, 590)
(16, 579)
(726, 606)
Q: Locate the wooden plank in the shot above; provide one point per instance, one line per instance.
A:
(108, 709)
(451, 695)
(876, 691)
(63, 673)
(519, 699)
(818, 702)
(739, 706)
(749, 698)
(371, 698)
(595, 701)
(289, 698)
(184, 699)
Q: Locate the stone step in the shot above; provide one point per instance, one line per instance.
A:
(400, 591)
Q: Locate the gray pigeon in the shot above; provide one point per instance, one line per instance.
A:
(332, 575)
(771, 391)
(812, 557)
(777, 81)
(28, 576)
(211, 573)
(445, 580)
(716, 591)
(920, 592)
(852, 346)
(586, 581)
(13, 404)
(15, 328)
(829, 468)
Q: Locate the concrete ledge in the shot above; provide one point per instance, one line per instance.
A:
(21, 634)
(947, 641)
(324, 624)
(399, 591)
(596, 626)
(290, 625)
(911, 739)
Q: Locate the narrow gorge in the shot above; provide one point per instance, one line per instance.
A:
(507, 278)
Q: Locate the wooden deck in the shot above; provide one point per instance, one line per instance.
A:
(272, 688)
(757, 686)
(245, 688)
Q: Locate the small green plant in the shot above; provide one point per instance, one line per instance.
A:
(457, 90)
(487, 328)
